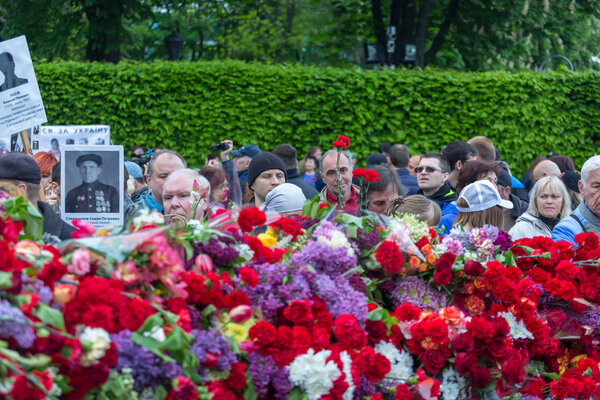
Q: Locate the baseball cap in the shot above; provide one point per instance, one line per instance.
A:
(249, 150)
(20, 167)
(133, 169)
(481, 195)
(571, 180)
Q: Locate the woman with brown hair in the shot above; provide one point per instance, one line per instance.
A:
(477, 170)
(480, 204)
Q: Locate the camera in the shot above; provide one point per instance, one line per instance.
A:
(220, 146)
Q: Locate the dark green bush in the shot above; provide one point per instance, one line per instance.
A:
(188, 106)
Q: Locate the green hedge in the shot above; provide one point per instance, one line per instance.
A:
(188, 106)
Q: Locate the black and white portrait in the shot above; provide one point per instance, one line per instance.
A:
(93, 182)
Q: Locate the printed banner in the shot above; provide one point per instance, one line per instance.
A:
(53, 138)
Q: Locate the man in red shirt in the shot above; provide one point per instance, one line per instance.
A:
(328, 171)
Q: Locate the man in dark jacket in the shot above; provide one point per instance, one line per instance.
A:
(399, 156)
(519, 206)
(23, 171)
(432, 175)
(458, 153)
(287, 153)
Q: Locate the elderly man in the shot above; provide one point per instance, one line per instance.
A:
(328, 171)
(22, 170)
(586, 217)
(432, 175)
(545, 168)
(178, 199)
(92, 196)
(163, 163)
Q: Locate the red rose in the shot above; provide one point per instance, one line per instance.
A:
(512, 367)
(251, 217)
(480, 377)
(185, 390)
(407, 312)
(474, 268)
(464, 362)
(442, 277)
(380, 368)
(389, 255)
(377, 331)
(299, 312)
(433, 360)
(342, 142)
(249, 276)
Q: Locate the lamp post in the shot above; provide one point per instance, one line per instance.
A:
(174, 43)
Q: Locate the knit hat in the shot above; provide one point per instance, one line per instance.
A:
(571, 180)
(133, 170)
(20, 167)
(481, 195)
(264, 162)
(286, 197)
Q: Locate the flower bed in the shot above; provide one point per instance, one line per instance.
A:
(328, 306)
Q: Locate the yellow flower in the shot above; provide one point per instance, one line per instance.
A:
(239, 332)
(268, 239)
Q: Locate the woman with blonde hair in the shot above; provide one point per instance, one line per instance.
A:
(480, 204)
(425, 209)
(549, 202)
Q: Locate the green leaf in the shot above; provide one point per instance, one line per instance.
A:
(297, 394)
(375, 315)
(49, 316)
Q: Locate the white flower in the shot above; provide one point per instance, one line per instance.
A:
(347, 368)
(147, 217)
(452, 385)
(157, 333)
(517, 328)
(95, 341)
(313, 374)
(400, 361)
(245, 251)
(338, 239)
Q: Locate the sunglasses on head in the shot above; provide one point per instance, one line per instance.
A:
(429, 169)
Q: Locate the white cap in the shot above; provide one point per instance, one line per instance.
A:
(283, 198)
(481, 195)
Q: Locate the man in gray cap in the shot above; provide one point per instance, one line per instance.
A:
(22, 170)
(92, 196)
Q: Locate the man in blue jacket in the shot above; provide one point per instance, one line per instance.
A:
(585, 218)
(399, 156)
(432, 175)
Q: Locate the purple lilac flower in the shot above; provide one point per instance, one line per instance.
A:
(308, 222)
(147, 369)
(367, 240)
(325, 228)
(264, 371)
(341, 298)
(491, 231)
(279, 284)
(37, 287)
(220, 249)
(212, 342)
(591, 319)
(333, 262)
(22, 334)
(357, 283)
(416, 291)
(364, 388)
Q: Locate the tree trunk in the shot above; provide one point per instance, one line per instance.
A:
(424, 13)
(451, 14)
(103, 32)
(378, 22)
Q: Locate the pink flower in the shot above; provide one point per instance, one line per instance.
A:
(126, 272)
(203, 263)
(84, 229)
(240, 314)
(80, 265)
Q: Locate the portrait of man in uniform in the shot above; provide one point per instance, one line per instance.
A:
(92, 196)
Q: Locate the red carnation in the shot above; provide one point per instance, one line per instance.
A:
(237, 377)
(251, 217)
(358, 172)
(263, 333)
(389, 255)
(371, 176)
(23, 390)
(407, 312)
(403, 392)
(347, 330)
(342, 142)
(380, 368)
(185, 390)
(299, 312)
(249, 276)
(288, 226)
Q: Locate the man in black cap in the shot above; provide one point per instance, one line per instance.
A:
(92, 196)
(23, 171)
(265, 173)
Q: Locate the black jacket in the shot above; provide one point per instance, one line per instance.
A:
(294, 178)
(53, 225)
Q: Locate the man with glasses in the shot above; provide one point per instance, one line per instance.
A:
(586, 217)
(432, 176)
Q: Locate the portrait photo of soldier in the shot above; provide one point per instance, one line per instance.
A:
(92, 196)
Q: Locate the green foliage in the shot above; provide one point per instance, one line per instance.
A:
(188, 106)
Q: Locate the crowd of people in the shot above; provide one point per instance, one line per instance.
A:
(466, 184)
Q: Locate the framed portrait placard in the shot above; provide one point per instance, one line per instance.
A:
(92, 184)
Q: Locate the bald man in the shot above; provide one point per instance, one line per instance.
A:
(545, 168)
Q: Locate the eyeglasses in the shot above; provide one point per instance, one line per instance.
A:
(430, 170)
